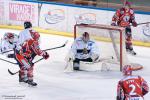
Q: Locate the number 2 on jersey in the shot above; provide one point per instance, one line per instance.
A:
(132, 92)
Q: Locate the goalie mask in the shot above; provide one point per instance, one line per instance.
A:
(85, 37)
(127, 70)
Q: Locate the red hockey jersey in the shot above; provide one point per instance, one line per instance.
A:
(123, 17)
(131, 86)
(31, 46)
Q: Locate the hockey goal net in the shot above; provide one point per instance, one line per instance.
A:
(111, 42)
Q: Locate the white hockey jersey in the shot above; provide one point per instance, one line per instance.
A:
(79, 46)
(24, 35)
(6, 45)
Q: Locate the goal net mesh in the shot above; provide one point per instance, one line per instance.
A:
(110, 41)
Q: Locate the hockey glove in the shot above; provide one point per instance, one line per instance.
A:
(145, 88)
(113, 23)
(11, 55)
(45, 55)
(85, 51)
(134, 24)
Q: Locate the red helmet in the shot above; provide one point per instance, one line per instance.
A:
(127, 3)
(127, 70)
(9, 35)
(35, 35)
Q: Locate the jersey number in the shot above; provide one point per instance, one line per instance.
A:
(132, 92)
(126, 18)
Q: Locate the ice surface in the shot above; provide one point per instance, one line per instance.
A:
(54, 84)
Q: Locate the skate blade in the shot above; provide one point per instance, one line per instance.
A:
(23, 84)
(32, 85)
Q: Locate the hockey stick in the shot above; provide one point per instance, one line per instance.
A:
(52, 49)
(8, 61)
(99, 60)
(13, 73)
(43, 50)
(141, 23)
(39, 59)
(56, 47)
(6, 51)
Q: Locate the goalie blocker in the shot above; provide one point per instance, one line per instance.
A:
(84, 49)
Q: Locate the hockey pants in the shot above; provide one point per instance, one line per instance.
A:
(128, 38)
(26, 68)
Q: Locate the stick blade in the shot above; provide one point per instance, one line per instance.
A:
(10, 72)
(65, 43)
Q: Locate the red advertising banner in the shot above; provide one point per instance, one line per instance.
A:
(21, 12)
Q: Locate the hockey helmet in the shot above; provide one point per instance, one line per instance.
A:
(85, 36)
(35, 35)
(9, 35)
(27, 24)
(127, 70)
(128, 4)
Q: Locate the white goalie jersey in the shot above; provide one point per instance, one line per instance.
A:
(82, 50)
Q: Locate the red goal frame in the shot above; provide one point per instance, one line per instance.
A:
(121, 30)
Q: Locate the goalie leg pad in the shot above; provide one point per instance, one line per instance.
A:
(94, 57)
(76, 64)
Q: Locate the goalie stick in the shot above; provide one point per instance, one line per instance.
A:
(13, 73)
(99, 60)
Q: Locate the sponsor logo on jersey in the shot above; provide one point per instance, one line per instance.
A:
(86, 18)
(54, 16)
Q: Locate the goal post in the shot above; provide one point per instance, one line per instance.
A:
(113, 36)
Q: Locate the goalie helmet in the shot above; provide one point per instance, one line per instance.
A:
(85, 36)
(127, 70)
(27, 24)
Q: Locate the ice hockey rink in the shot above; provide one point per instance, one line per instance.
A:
(54, 84)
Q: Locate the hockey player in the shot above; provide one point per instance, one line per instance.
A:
(29, 49)
(131, 87)
(25, 34)
(8, 43)
(123, 17)
(84, 49)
